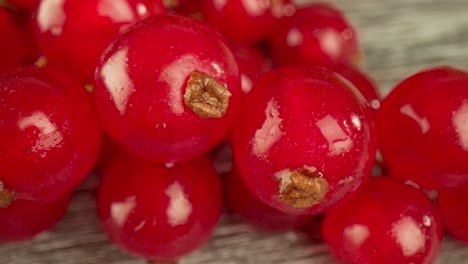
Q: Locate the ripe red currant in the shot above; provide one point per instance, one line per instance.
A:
(315, 35)
(304, 140)
(422, 128)
(454, 211)
(245, 21)
(52, 131)
(387, 222)
(159, 212)
(28, 5)
(16, 49)
(72, 34)
(256, 213)
(25, 219)
(168, 89)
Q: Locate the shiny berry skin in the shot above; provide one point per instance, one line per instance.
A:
(17, 48)
(168, 89)
(422, 131)
(318, 34)
(387, 222)
(72, 34)
(245, 21)
(242, 202)
(252, 65)
(52, 131)
(25, 219)
(362, 82)
(159, 212)
(454, 211)
(305, 139)
(28, 5)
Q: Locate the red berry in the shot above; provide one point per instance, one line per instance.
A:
(245, 21)
(252, 65)
(72, 34)
(454, 211)
(422, 128)
(256, 213)
(53, 135)
(25, 219)
(28, 5)
(304, 140)
(315, 35)
(159, 212)
(362, 82)
(168, 89)
(387, 222)
(17, 48)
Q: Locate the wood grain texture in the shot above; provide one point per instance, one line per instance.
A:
(399, 37)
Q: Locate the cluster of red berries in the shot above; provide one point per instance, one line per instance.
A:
(166, 89)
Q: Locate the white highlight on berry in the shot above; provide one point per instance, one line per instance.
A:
(409, 235)
(270, 132)
(114, 74)
(180, 208)
(120, 211)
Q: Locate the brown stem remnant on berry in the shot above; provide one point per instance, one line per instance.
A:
(206, 96)
(303, 188)
(6, 196)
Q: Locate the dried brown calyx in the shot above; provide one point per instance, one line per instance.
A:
(206, 96)
(6, 196)
(302, 188)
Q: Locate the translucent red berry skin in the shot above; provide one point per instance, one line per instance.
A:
(318, 34)
(245, 21)
(143, 78)
(25, 219)
(386, 222)
(240, 201)
(454, 211)
(72, 34)
(28, 5)
(52, 131)
(304, 118)
(158, 212)
(17, 48)
(421, 128)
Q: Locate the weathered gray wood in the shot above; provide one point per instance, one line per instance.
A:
(399, 37)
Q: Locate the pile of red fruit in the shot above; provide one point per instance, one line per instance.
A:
(164, 90)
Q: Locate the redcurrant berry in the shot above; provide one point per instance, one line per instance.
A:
(52, 131)
(422, 128)
(245, 21)
(16, 49)
(315, 35)
(454, 211)
(304, 140)
(168, 89)
(387, 222)
(25, 219)
(159, 212)
(72, 34)
(256, 213)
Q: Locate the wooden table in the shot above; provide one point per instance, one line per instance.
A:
(399, 37)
